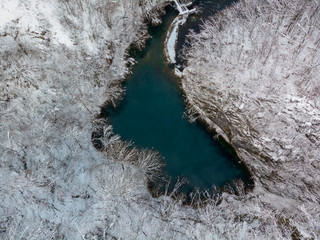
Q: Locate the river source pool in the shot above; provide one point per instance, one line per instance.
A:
(151, 115)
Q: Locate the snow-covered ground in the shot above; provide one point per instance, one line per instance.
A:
(172, 38)
(172, 34)
(60, 62)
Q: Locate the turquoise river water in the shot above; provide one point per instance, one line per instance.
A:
(152, 116)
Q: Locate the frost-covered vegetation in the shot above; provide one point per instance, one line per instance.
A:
(60, 62)
(253, 72)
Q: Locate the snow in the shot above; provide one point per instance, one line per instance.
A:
(172, 37)
(172, 34)
(7, 11)
(49, 10)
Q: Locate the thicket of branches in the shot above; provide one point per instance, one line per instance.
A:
(60, 62)
(253, 70)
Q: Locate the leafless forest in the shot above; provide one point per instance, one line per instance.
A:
(253, 72)
(62, 60)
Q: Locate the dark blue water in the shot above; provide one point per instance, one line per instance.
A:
(151, 115)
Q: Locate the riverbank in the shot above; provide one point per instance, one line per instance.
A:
(172, 33)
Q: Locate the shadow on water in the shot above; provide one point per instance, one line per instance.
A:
(151, 115)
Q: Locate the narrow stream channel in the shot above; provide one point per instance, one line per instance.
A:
(151, 116)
